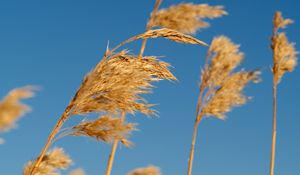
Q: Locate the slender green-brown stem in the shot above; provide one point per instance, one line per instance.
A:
(149, 26)
(113, 151)
(272, 161)
(53, 133)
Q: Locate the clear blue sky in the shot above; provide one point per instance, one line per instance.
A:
(53, 44)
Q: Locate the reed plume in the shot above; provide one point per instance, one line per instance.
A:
(284, 60)
(186, 17)
(221, 88)
(77, 172)
(11, 108)
(149, 170)
(51, 163)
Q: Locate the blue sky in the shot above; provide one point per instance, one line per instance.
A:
(53, 44)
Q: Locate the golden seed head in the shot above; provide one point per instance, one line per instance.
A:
(280, 22)
(186, 17)
(117, 83)
(284, 52)
(53, 161)
(150, 170)
(224, 86)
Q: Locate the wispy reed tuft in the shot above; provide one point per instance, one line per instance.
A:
(149, 170)
(51, 163)
(105, 128)
(11, 109)
(186, 17)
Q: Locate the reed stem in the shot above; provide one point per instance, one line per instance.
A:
(149, 26)
(272, 161)
(113, 151)
(53, 133)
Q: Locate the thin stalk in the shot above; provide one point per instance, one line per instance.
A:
(149, 26)
(113, 151)
(199, 114)
(192, 151)
(53, 133)
(197, 121)
(272, 161)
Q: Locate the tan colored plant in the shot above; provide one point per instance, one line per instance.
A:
(114, 85)
(11, 109)
(220, 87)
(51, 163)
(284, 60)
(186, 17)
(149, 170)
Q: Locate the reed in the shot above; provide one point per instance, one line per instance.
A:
(284, 60)
(221, 87)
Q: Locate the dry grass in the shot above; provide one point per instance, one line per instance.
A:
(51, 163)
(149, 170)
(284, 60)
(105, 128)
(186, 17)
(220, 87)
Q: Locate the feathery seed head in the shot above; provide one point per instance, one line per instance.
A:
(229, 94)
(280, 22)
(150, 170)
(284, 52)
(225, 57)
(224, 88)
(186, 17)
(11, 109)
(117, 83)
(53, 161)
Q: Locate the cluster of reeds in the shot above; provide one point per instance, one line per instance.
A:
(115, 87)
